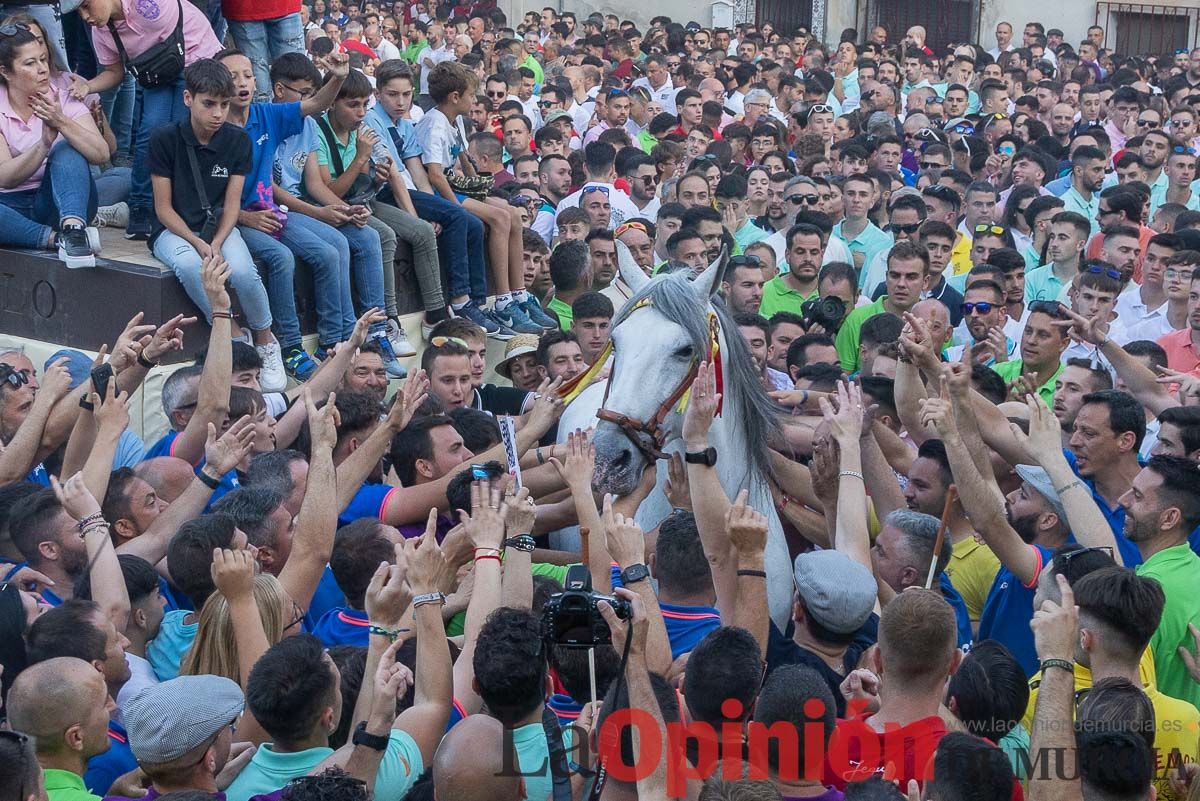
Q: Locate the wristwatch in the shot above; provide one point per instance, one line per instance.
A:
(521, 542)
(634, 574)
(376, 742)
(707, 457)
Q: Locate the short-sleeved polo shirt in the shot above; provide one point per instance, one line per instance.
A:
(778, 295)
(849, 334)
(1177, 569)
(227, 154)
(1010, 370)
(869, 241)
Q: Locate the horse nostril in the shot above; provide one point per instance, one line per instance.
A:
(622, 461)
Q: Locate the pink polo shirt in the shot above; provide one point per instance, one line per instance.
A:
(148, 22)
(1181, 354)
(21, 135)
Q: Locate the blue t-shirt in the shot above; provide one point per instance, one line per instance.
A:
(369, 501)
(1008, 611)
(165, 652)
(961, 619)
(688, 625)
(400, 136)
(327, 597)
(165, 446)
(38, 475)
(268, 125)
(1115, 516)
(130, 450)
(104, 769)
(291, 155)
(564, 708)
(343, 626)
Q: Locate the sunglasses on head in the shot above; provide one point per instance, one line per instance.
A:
(983, 307)
(1063, 559)
(635, 225)
(1051, 307)
(998, 230)
(820, 107)
(13, 28)
(797, 199)
(745, 261)
(588, 189)
(1098, 269)
(439, 342)
(1182, 150)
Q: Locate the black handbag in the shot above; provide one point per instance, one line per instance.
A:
(363, 190)
(212, 218)
(161, 65)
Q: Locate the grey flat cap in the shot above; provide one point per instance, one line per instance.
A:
(838, 592)
(168, 720)
(1039, 479)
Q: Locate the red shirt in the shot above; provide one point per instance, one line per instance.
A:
(358, 47)
(1181, 353)
(857, 752)
(253, 10)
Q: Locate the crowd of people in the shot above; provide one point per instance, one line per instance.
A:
(968, 286)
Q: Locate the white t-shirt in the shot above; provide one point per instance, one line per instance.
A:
(429, 59)
(664, 94)
(441, 140)
(622, 207)
(386, 50)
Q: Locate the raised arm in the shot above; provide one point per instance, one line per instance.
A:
(19, 456)
(517, 581)
(959, 384)
(212, 397)
(233, 576)
(1084, 517)
(627, 544)
(1140, 380)
(337, 68)
(576, 470)
(710, 504)
(845, 426)
(486, 530)
(425, 720)
(980, 497)
(747, 528)
(1055, 636)
(104, 571)
(880, 479)
(111, 417)
(316, 523)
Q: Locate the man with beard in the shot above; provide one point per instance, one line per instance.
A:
(1162, 507)
(1181, 346)
(985, 314)
(907, 277)
(788, 291)
(1156, 146)
(1062, 121)
(1077, 381)
(777, 217)
(1042, 344)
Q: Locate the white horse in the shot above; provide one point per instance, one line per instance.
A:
(660, 335)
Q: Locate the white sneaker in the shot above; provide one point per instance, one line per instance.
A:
(399, 340)
(93, 235)
(114, 216)
(272, 378)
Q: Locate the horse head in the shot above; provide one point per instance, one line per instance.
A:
(661, 336)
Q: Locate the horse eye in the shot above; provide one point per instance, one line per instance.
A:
(684, 352)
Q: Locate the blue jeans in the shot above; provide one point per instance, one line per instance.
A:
(366, 270)
(159, 107)
(112, 186)
(263, 41)
(327, 253)
(119, 104)
(461, 244)
(28, 217)
(178, 254)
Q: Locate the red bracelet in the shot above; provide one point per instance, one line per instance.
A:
(489, 556)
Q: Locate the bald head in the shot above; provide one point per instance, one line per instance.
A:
(470, 760)
(711, 89)
(168, 475)
(936, 317)
(57, 702)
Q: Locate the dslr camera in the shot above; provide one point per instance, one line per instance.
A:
(828, 311)
(572, 617)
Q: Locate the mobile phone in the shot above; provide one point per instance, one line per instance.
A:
(492, 470)
(100, 378)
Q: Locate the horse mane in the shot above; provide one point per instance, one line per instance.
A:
(674, 296)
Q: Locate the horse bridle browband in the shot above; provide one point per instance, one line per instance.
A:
(648, 436)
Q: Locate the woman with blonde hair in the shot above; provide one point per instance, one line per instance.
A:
(230, 637)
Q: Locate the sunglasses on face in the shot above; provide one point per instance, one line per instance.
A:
(983, 307)
(497, 94)
(1149, 123)
(808, 200)
(932, 165)
(908, 229)
(14, 377)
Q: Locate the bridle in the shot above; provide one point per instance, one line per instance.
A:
(650, 435)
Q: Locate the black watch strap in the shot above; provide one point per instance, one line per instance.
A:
(708, 457)
(634, 574)
(376, 742)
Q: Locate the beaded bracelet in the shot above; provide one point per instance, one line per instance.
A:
(391, 634)
(90, 520)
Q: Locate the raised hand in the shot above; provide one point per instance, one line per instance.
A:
(226, 452)
(426, 563)
(677, 488)
(363, 325)
(338, 64)
(76, 500)
(388, 594)
(128, 345)
(826, 461)
(214, 275)
(167, 339)
(233, 573)
(939, 413)
(997, 343)
(392, 680)
(56, 381)
(916, 343)
(577, 469)
(519, 513)
(485, 526)
(408, 400)
(846, 423)
(1188, 390)
(323, 422)
(747, 527)
(703, 400)
(624, 536)
(1082, 329)
(1056, 626)
(547, 408)
(112, 413)
(1044, 440)
(956, 376)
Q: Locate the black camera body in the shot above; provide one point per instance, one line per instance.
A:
(572, 617)
(827, 311)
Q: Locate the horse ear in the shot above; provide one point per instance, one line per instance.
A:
(707, 282)
(631, 273)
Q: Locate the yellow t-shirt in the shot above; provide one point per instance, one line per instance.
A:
(972, 570)
(960, 255)
(1177, 722)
